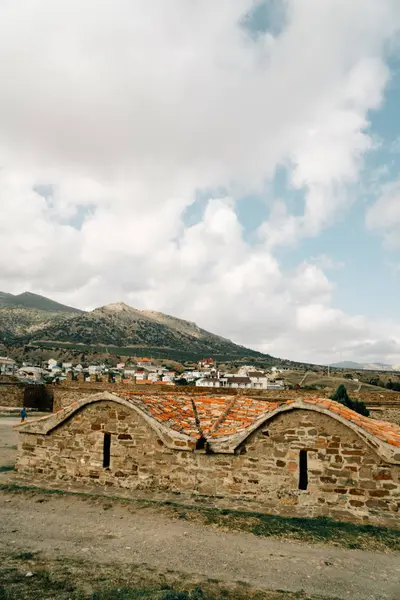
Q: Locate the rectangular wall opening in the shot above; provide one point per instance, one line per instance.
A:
(106, 450)
(303, 470)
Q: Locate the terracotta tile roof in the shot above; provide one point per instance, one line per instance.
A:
(385, 431)
(225, 419)
(220, 416)
(173, 410)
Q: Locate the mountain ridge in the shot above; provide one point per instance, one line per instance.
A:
(35, 301)
(30, 319)
(378, 366)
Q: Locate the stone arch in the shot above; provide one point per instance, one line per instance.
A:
(45, 425)
(384, 450)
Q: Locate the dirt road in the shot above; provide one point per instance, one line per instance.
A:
(107, 531)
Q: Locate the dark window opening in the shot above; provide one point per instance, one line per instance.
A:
(106, 450)
(303, 473)
(201, 443)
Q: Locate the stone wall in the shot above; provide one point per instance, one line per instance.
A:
(17, 395)
(346, 479)
(12, 395)
(386, 413)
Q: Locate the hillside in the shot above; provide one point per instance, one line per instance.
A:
(36, 302)
(356, 366)
(115, 329)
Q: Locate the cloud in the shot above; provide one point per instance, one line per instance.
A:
(115, 114)
(327, 262)
(384, 215)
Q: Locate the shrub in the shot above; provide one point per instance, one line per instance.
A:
(342, 397)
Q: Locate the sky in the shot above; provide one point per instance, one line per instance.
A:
(234, 163)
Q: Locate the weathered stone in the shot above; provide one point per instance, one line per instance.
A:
(383, 476)
(378, 493)
(356, 503)
(265, 477)
(357, 492)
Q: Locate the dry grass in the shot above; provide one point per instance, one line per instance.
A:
(66, 579)
(320, 530)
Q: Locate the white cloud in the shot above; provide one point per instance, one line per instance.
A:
(326, 262)
(384, 215)
(122, 110)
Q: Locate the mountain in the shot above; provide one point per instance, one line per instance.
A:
(29, 320)
(30, 300)
(347, 364)
(356, 366)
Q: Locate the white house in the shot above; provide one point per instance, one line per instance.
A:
(7, 365)
(141, 375)
(236, 382)
(275, 384)
(129, 372)
(259, 380)
(212, 382)
(207, 363)
(144, 362)
(34, 373)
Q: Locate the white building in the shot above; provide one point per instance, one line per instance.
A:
(275, 384)
(129, 372)
(7, 365)
(211, 382)
(34, 373)
(236, 381)
(259, 380)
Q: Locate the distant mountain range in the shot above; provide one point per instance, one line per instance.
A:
(30, 320)
(356, 366)
(30, 300)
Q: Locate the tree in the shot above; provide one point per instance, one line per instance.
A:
(342, 397)
(393, 385)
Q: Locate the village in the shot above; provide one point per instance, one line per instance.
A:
(142, 370)
(245, 444)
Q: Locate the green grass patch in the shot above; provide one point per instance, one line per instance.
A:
(6, 468)
(25, 555)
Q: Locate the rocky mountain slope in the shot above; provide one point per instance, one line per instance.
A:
(29, 319)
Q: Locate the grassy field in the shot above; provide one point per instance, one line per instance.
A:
(333, 381)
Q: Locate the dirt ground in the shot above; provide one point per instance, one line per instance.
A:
(55, 529)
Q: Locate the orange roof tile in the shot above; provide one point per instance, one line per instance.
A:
(219, 416)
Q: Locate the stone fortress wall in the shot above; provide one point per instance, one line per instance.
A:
(346, 478)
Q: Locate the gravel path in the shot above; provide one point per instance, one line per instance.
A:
(105, 531)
